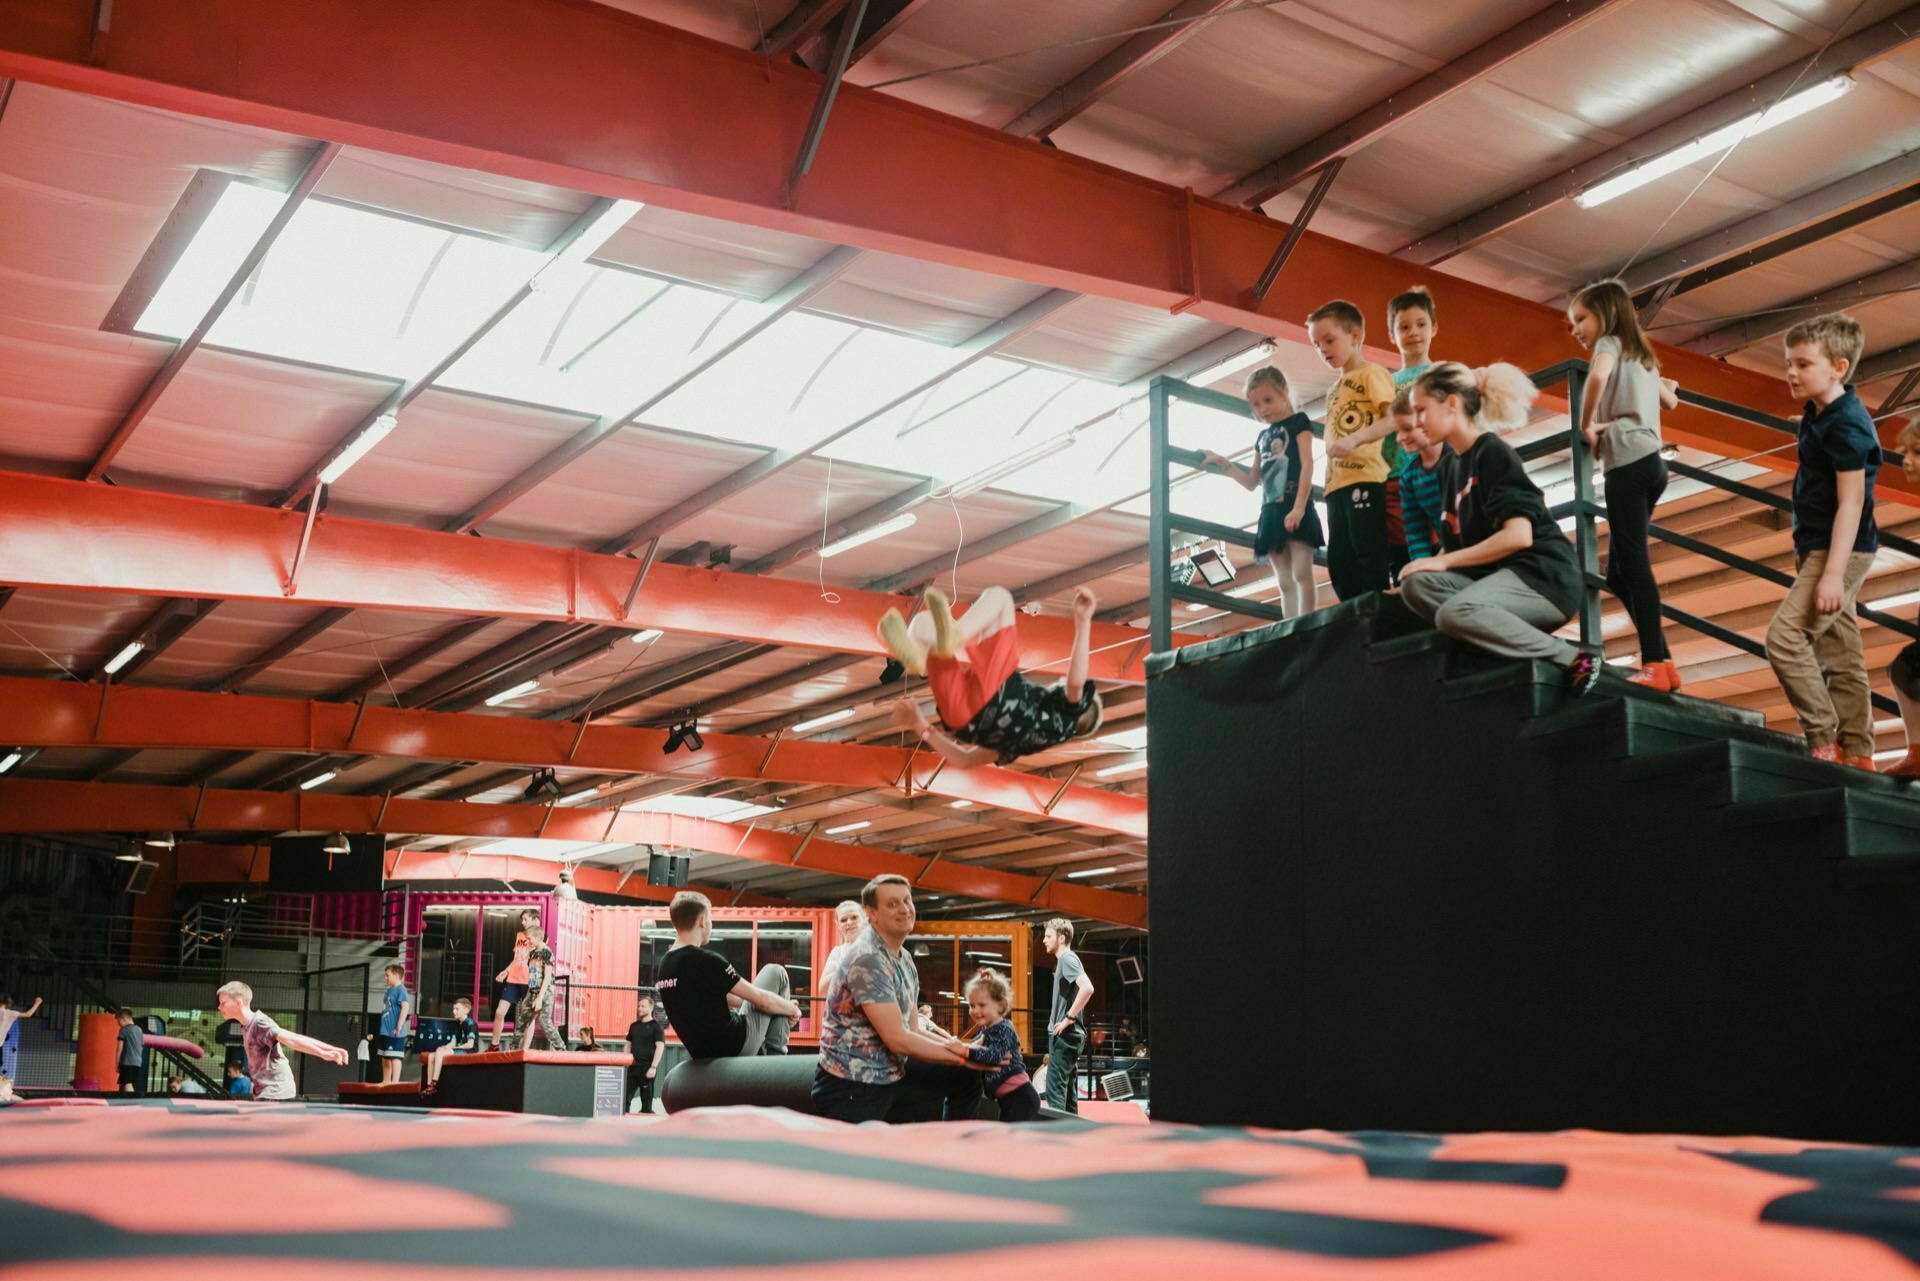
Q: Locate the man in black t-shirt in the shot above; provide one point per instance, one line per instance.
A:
(646, 1041)
(716, 1013)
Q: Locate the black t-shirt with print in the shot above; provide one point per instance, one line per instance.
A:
(693, 986)
(1484, 488)
(642, 1036)
(1024, 718)
(466, 1034)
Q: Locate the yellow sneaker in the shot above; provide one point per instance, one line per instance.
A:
(947, 641)
(908, 652)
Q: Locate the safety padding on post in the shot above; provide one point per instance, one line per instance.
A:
(769, 1081)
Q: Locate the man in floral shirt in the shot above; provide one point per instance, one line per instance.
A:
(871, 1059)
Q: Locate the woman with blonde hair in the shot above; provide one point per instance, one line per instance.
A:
(1506, 578)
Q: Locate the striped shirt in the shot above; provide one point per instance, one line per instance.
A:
(1420, 502)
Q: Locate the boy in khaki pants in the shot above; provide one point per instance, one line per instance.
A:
(1814, 639)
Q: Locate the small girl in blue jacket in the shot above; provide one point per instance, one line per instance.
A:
(996, 1047)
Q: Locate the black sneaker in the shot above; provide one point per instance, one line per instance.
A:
(892, 672)
(1583, 675)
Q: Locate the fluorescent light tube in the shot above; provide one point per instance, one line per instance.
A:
(1114, 771)
(125, 656)
(642, 637)
(1233, 364)
(1091, 871)
(1894, 602)
(580, 795)
(598, 232)
(362, 445)
(307, 785)
(10, 760)
(508, 695)
(881, 530)
(1007, 467)
(848, 827)
(1719, 140)
(844, 714)
(961, 805)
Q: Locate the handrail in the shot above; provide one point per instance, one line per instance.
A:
(1585, 508)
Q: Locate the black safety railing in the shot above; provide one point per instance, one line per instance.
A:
(1585, 509)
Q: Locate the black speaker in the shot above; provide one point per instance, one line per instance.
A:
(303, 865)
(140, 877)
(668, 869)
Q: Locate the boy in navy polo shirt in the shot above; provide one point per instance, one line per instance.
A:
(1814, 640)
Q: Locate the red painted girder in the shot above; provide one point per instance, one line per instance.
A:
(596, 99)
(69, 535)
(38, 805)
(42, 713)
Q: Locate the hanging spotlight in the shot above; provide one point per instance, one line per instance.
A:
(161, 840)
(337, 844)
(543, 787)
(687, 735)
(565, 889)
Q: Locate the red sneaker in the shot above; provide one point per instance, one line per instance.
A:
(1908, 768)
(1828, 752)
(1861, 762)
(1652, 676)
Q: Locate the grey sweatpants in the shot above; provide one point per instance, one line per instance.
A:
(1499, 613)
(767, 1033)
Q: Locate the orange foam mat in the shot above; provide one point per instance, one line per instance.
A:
(168, 1189)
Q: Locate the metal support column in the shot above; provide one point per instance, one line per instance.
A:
(1160, 531)
(1586, 537)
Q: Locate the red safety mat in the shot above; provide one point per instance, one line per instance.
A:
(168, 1189)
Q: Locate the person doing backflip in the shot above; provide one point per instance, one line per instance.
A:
(989, 711)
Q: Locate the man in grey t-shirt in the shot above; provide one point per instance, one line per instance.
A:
(133, 1053)
(1072, 989)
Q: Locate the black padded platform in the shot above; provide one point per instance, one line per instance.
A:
(553, 1082)
(1406, 886)
(770, 1081)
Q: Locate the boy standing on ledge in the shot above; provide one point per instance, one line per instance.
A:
(1814, 642)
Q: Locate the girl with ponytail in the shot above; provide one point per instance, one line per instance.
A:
(1620, 417)
(1507, 578)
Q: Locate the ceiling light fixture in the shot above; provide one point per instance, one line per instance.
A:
(359, 447)
(580, 795)
(962, 805)
(1007, 467)
(543, 786)
(127, 654)
(10, 760)
(337, 844)
(1233, 364)
(642, 637)
(1114, 771)
(849, 827)
(687, 735)
(598, 232)
(307, 785)
(844, 714)
(1758, 122)
(160, 840)
(892, 525)
(508, 695)
(1091, 871)
(1894, 602)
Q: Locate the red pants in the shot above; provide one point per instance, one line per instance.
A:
(962, 687)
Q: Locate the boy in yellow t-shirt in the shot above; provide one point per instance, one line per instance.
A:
(1358, 558)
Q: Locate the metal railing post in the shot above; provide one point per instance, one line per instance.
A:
(1160, 534)
(1586, 536)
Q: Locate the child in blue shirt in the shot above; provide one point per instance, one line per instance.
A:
(392, 1044)
(996, 1047)
(1282, 470)
(1814, 642)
